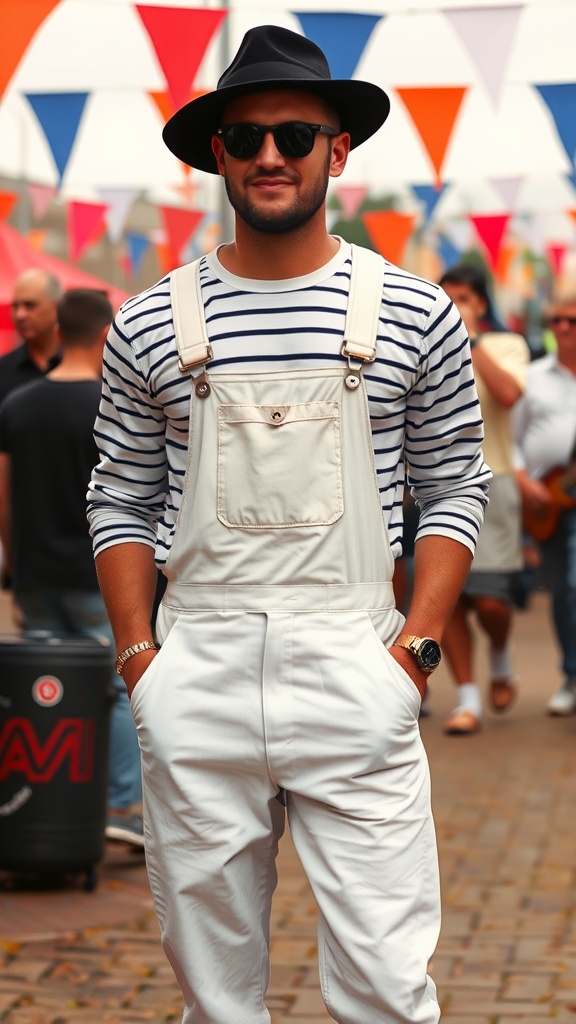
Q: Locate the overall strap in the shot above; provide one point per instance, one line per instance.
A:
(188, 317)
(364, 305)
(362, 315)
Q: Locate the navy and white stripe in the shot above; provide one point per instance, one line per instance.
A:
(423, 405)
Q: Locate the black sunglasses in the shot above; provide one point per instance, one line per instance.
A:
(554, 321)
(292, 138)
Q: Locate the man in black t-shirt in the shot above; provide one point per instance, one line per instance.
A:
(47, 453)
(34, 303)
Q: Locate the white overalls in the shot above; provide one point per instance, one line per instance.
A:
(274, 674)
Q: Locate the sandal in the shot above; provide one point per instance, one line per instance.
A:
(502, 693)
(462, 723)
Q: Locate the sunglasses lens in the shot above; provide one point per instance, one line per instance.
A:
(243, 141)
(294, 139)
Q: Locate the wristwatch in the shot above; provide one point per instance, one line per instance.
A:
(426, 651)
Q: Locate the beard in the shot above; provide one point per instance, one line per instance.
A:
(272, 222)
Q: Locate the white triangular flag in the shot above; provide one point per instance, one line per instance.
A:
(488, 34)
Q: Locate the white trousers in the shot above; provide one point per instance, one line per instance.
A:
(235, 706)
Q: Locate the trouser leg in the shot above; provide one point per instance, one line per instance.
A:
(212, 820)
(560, 573)
(347, 747)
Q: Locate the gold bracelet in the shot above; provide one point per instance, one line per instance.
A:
(144, 645)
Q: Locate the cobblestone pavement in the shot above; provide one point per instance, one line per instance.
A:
(504, 805)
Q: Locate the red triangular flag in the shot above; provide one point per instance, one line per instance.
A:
(180, 226)
(490, 229)
(180, 37)
(7, 202)
(85, 223)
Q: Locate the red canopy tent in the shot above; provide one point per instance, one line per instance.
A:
(17, 255)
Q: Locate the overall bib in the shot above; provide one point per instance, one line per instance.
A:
(273, 675)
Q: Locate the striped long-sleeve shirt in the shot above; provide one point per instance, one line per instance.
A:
(422, 398)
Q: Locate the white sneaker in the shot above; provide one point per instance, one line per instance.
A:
(564, 701)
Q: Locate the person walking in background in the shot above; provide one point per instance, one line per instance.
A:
(256, 412)
(47, 453)
(34, 302)
(545, 433)
(499, 360)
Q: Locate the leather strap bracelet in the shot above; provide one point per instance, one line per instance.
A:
(124, 656)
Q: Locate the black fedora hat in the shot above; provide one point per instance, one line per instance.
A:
(269, 58)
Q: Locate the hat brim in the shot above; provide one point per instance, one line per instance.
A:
(363, 107)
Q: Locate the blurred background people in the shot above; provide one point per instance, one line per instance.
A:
(34, 302)
(47, 453)
(500, 360)
(545, 432)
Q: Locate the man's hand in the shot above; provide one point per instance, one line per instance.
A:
(407, 662)
(135, 668)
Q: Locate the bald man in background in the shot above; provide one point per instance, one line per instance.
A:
(34, 301)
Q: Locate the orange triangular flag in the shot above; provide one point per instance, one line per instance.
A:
(390, 231)
(433, 110)
(504, 261)
(573, 215)
(37, 237)
(7, 201)
(19, 23)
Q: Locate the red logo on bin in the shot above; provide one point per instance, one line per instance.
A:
(70, 742)
(47, 691)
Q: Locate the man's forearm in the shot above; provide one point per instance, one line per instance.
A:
(441, 566)
(127, 576)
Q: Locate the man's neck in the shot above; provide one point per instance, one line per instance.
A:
(268, 257)
(75, 365)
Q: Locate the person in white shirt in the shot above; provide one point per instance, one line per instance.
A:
(545, 433)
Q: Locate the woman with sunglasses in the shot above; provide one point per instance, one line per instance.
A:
(545, 430)
(258, 410)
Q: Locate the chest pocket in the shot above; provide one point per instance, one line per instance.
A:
(279, 466)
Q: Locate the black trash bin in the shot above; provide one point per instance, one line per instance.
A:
(55, 699)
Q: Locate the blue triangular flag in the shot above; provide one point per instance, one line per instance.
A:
(59, 115)
(341, 36)
(429, 195)
(448, 252)
(560, 98)
(137, 246)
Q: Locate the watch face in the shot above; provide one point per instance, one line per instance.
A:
(429, 655)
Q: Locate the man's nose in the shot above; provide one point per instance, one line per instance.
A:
(270, 155)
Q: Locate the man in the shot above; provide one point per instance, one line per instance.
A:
(545, 430)
(499, 359)
(273, 504)
(47, 453)
(34, 300)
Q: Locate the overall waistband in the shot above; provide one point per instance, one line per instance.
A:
(271, 598)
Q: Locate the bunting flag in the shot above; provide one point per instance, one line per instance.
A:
(187, 192)
(40, 197)
(342, 37)
(8, 201)
(389, 231)
(560, 98)
(59, 115)
(19, 22)
(429, 196)
(351, 198)
(572, 213)
(488, 34)
(490, 229)
(448, 252)
(138, 246)
(433, 110)
(506, 256)
(508, 189)
(180, 226)
(556, 251)
(37, 238)
(180, 37)
(118, 202)
(86, 223)
(163, 101)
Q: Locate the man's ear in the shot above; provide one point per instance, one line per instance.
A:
(218, 150)
(339, 156)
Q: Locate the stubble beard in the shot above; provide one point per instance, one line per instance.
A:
(270, 222)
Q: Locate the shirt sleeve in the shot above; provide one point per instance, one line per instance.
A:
(446, 472)
(128, 487)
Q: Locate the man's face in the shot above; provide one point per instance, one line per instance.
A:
(468, 303)
(562, 321)
(33, 311)
(272, 193)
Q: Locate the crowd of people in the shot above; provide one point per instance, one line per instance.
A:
(253, 431)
